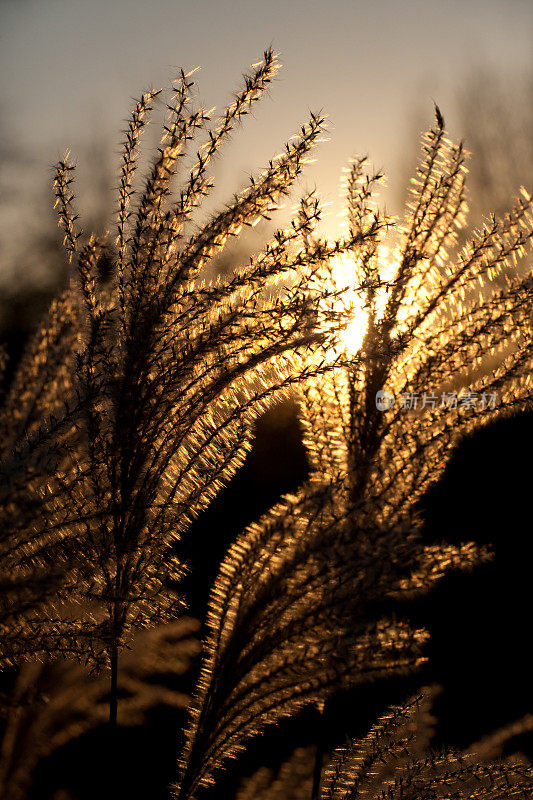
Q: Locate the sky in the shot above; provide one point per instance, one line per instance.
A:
(71, 68)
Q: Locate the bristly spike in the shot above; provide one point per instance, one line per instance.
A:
(63, 204)
(394, 760)
(136, 402)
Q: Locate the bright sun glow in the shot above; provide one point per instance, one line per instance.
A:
(343, 272)
(352, 337)
(344, 276)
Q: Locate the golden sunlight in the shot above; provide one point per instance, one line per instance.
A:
(343, 275)
(352, 337)
(343, 270)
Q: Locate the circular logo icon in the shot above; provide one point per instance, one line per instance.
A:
(384, 400)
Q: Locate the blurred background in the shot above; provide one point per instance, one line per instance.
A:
(70, 70)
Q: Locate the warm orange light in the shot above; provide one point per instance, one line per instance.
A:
(352, 337)
(343, 273)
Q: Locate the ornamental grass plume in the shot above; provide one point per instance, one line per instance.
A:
(135, 403)
(436, 325)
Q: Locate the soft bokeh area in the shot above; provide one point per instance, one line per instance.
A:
(375, 68)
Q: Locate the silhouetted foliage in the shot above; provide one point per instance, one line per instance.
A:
(300, 606)
(394, 761)
(54, 702)
(135, 404)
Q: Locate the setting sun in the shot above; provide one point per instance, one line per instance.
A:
(344, 278)
(352, 337)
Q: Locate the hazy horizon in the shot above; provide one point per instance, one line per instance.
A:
(374, 68)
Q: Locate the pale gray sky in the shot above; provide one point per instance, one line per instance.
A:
(70, 67)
